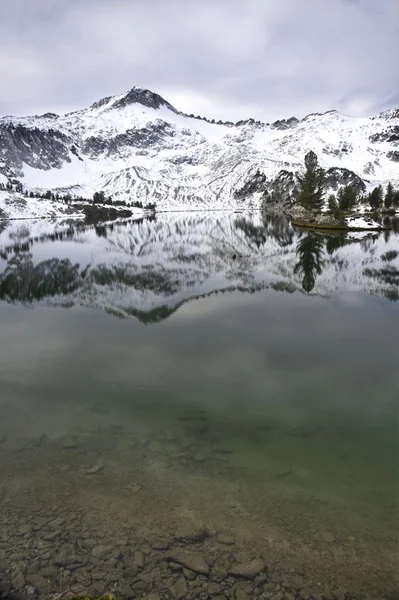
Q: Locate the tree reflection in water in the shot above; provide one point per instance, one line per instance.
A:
(309, 251)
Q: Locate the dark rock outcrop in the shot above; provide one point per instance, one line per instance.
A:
(256, 183)
(337, 177)
(391, 134)
(393, 155)
(40, 148)
(145, 97)
(285, 123)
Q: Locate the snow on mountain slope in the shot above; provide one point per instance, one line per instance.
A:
(137, 146)
(148, 268)
(16, 206)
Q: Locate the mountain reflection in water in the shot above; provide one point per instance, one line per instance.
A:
(148, 268)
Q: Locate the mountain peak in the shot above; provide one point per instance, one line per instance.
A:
(138, 95)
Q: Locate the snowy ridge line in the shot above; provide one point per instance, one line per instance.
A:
(137, 146)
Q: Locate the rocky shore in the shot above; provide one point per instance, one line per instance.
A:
(323, 220)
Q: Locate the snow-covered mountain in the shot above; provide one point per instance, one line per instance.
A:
(149, 268)
(138, 146)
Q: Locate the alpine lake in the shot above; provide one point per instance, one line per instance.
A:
(198, 405)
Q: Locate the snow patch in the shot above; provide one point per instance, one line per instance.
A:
(361, 222)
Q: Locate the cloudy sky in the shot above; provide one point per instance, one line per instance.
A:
(226, 59)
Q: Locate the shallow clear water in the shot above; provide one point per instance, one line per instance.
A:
(135, 395)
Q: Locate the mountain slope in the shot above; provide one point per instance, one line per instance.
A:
(138, 146)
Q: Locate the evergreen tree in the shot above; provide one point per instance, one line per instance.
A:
(311, 184)
(99, 197)
(347, 198)
(332, 203)
(334, 208)
(395, 199)
(388, 200)
(376, 197)
(48, 195)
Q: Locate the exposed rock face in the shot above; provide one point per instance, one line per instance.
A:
(256, 183)
(281, 192)
(155, 133)
(393, 155)
(337, 177)
(339, 151)
(285, 123)
(34, 146)
(390, 134)
(144, 97)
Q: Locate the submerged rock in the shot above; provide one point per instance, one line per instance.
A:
(192, 560)
(214, 589)
(95, 469)
(160, 543)
(17, 579)
(249, 569)
(179, 589)
(190, 533)
(101, 551)
(139, 560)
(241, 595)
(38, 582)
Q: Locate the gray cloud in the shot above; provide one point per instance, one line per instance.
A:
(225, 59)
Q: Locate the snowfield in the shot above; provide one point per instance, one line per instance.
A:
(16, 206)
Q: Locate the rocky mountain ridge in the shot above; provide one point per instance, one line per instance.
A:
(138, 146)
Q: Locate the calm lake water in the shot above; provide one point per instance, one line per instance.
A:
(217, 372)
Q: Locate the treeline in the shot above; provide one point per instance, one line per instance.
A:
(311, 192)
(98, 197)
(347, 199)
(378, 200)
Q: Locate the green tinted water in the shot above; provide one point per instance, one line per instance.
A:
(272, 416)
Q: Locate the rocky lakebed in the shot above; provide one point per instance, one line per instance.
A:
(157, 515)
